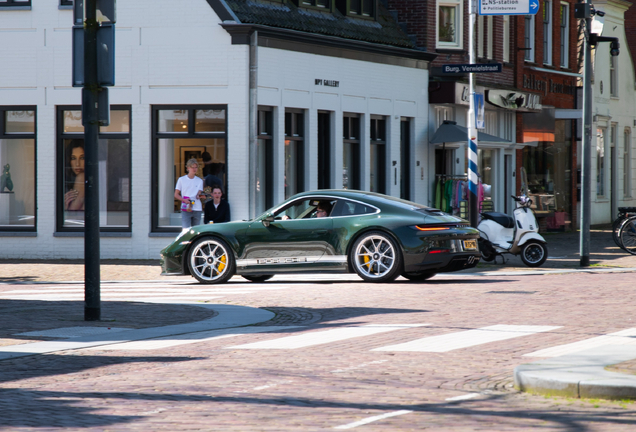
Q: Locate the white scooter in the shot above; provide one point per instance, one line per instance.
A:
(500, 234)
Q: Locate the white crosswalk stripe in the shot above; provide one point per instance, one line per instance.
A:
(469, 338)
(141, 291)
(189, 338)
(323, 337)
(623, 337)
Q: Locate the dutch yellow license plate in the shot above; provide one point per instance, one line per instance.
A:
(470, 244)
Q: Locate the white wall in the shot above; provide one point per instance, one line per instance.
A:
(174, 52)
(619, 110)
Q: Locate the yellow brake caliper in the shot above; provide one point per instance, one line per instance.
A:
(223, 260)
(366, 262)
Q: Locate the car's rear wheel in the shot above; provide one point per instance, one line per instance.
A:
(419, 277)
(211, 261)
(257, 278)
(376, 257)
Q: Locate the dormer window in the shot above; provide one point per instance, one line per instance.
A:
(365, 8)
(325, 4)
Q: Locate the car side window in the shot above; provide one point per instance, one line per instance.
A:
(351, 208)
(296, 210)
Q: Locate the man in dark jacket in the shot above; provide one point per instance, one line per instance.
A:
(216, 210)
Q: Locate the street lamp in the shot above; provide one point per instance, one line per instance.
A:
(586, 11)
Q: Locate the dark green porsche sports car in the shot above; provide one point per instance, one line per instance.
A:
(377, 236)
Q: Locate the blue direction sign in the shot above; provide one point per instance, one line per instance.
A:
(471, 68)
(508, 7)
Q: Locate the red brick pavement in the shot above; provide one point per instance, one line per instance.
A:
(206, 386)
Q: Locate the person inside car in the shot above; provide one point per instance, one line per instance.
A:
(323, 209)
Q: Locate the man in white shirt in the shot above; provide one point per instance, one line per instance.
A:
(188, 190)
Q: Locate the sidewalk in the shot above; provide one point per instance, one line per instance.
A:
(563, 254)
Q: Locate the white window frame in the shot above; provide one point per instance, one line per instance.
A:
(506, 39)
(601, 162)
(459, 24)
(480, 36)
(529, 38)
(613, 81)
(443, 113)
(627, 162)
(547, 32)
(564, 24)
(490, 37)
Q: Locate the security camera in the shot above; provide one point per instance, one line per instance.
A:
(614, 48)
(598, 12)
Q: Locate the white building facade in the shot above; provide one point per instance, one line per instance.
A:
(614, 118)
(331, 113)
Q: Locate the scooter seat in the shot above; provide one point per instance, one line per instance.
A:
(501, 218)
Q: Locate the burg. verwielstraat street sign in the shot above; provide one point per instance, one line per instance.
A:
(471, 68)
(508, 7)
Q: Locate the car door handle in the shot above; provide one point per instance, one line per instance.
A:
(322, 231)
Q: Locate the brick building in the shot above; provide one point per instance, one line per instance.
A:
(535, 91)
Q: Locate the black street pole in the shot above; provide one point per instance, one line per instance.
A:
(92, 308)
(586, 166)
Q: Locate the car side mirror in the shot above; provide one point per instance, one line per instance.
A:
(268, 219)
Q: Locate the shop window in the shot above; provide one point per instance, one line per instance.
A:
(547, 32)
(547, 175)
(487, 160)
(181, 133)
(528, 38)
(351, 151)
(17, 168)
(114, 161)
(627, 163)
(378, 154)
(613, 64)
(294, 151)
(324, 150)
(405, 159)
(450, 24)
(264, 163)
(600, 162)
(14, 3)
(565, 34)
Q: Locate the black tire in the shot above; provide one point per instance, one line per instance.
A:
(418, 277)
(211, 261)
(616, 228)
(627, 235)
(534, 253)
(487, 252)
(257, 278)
(376, 257)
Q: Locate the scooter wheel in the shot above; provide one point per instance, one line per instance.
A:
(487, 252)
(534, 254)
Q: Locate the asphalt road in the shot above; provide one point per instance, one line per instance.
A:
(339, 354)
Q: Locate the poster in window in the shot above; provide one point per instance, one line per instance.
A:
(188, 153)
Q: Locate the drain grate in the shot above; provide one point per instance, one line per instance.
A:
(511, 292)
(73, 332)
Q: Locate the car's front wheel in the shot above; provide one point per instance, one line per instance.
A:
(418, 277)
(211, 261)
(257, 278)
(376, 257)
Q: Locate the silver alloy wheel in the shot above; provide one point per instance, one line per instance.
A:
(375, 257)
(209, 260)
